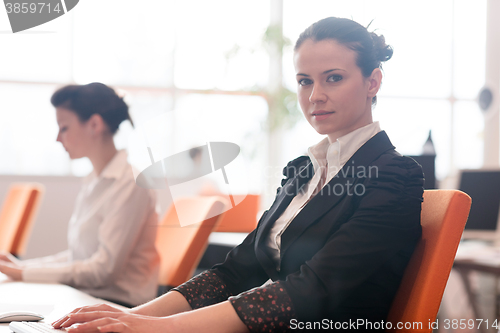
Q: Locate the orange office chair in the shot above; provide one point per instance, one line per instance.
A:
(242, 217)
(181, 248)
(444, 213)
(18, 215)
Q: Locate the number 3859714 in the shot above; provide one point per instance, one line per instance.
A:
(25, 8)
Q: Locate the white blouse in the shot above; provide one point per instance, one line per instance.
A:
(327, 159)
(111, 239)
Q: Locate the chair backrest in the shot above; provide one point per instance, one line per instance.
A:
(18, 215)
(242, 217)
(443, 218)
(181, 248)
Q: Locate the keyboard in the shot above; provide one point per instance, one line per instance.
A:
(32, 327)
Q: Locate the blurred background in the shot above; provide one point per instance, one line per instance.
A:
(198, 71)
(195, 71)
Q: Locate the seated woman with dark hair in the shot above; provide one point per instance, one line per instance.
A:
(337, 239)
(111, 234)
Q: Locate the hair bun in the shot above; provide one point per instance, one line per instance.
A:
(383, 51)
(93, 98)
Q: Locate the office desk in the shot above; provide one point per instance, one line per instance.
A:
(464, 269)
(51, 300)
(479, 258)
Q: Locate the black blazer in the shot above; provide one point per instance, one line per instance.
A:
(344, 254)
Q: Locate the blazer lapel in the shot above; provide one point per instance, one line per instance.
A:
(336, 189)
(285, 196)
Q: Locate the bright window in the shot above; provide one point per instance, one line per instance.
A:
(194, 71)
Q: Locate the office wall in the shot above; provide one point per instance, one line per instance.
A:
(50, 228)
(492, 81)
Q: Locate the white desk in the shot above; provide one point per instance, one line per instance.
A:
(475, 256)
(227, 238)
(51, 300)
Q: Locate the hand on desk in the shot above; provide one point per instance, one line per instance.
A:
(66, 321)
(10, 266)
(105, 318)
(6, 256)
(168, 313)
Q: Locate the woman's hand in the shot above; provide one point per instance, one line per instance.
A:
(12, 270)
(6, 256)
(217, 318)
(69, 320)
(104, 321)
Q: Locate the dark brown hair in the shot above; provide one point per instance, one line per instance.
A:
(92, 98)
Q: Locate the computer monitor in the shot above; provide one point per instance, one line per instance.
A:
(483, 186)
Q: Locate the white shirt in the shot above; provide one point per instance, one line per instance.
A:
(111, 239)
(325, 156)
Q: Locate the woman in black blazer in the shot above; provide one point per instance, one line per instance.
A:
(331, 250)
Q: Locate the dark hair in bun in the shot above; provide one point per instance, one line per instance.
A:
(371, 48)
(92, 98)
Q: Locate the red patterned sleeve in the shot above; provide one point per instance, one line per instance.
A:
(265, 309)
(203, 290)
(262, 309)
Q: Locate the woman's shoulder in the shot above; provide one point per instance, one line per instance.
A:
(393, 159)
(125, 182)
(399, 172)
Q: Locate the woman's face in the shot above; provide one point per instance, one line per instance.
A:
(74, 134)
(334, 95)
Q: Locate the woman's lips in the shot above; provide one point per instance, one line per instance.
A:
(321, 115)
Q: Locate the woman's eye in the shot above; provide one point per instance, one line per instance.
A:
(334, 78)
(304, 82)
(63, 129)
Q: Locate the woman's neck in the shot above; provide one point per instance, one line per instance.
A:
(103, 155)
(364, 120)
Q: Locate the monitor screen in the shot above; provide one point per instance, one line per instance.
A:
(483, 186)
